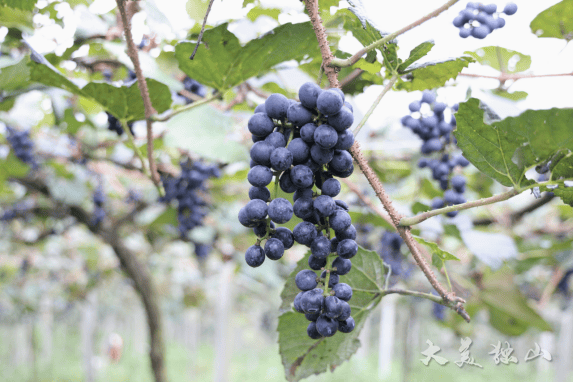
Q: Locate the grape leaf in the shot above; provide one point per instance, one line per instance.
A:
(555, 21)
(15, 76)
(196, 9)
(433, 74)
(564, 192)
(512, 61)
(508, 308)
(25, 5)
(514, 96)
(11, 166)
(303, 356)
(416, 54)
(207, 135)
(17, 18)
(254, 13)
(505, 149)
(439, 256)
(222, 63)
(563, 168)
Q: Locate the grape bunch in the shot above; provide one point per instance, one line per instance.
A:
(22, 145)
(99, 212)
(190, 205)
(116, 126)
(390, 252)
(427, 120)
(479, 20)
(304, 145)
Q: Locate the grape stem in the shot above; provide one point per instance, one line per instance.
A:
(409, 221)
(144, 91)
(185, 108)
(448, 298)
(357, 56)
(202, 30)
(139, 154)
(376, 103)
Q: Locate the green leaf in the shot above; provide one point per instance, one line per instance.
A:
(45, 73)
(416, 54)
(15, 76)
(433, 75)
(11, 167)
(196, 9)
(111, 97)
(439, 256)
(303, 356)
(505, 149)
(562, 168)
(555, 21)
(168, 217)
(16, 18)
(373, 68)
(419, 207)
(514, 96)
(25, 5)
(159, 94)
(509, 309)
(493, 56)
(564, 192)
(222, 63)
(254, 13)
(204, 130)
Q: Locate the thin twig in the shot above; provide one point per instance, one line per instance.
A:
(357, 56)
(137, 150)
(355, 189)
(376, 103)
(351, 77)
(514, 76)
(185, 108)
(556, 277)
(202, 30)
(142, 85)
(409, 221)
(448, 298)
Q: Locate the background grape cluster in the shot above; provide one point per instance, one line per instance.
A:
(427, 120)
(186, 189)
(479, 20)
(22, 145)
(304, 145)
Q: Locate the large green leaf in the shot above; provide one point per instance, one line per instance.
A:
(25, 5)
(505, 149)
(221, 62)
(512, 61)
(555, 21)
(509, 309)
(416, 54)
(45, 73)
(433, 75)
(303, 356)
(205, 130)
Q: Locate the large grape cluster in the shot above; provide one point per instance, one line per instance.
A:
(479, 20)
(427, 120)
(304, 145)
(22, 145)
(185, 190)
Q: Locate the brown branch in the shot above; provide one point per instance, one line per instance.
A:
(449, 298)
(202, 30)
(313, 9)
(142, 85)
(351, 77)
(556, 277)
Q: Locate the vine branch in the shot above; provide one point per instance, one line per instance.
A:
(185, 108)
(357, 56)
(449, 298)
(376, 103)
(142, 85)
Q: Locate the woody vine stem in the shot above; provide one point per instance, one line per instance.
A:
(448, 298)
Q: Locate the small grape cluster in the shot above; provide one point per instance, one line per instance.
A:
(99, 212)
(436, 134)
(390, 252)
(479, 20)
(305, 144)
(185, 189)
(22, 145)
(194, 87)
(116, 126)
